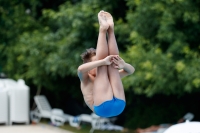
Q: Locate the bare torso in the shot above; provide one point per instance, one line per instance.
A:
(87, 90)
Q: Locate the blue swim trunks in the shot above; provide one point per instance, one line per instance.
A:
(110, 108)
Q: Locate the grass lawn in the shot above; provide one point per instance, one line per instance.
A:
(85, 128)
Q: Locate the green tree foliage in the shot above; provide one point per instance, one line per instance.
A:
(15, 18)
(52, 50)
(164, 46)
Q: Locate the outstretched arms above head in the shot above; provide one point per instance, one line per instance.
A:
(125, 68)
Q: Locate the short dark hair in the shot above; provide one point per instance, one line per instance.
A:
(88, 54)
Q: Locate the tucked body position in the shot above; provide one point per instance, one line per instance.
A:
(101, 72)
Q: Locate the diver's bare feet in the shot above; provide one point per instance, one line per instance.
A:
(109, 20)
(102, 21)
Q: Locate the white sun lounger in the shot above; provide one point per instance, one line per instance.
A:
(44, 110)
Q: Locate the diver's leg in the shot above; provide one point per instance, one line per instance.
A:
(114, 77)
(102, 88)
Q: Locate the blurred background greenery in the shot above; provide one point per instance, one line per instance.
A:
(41, 42)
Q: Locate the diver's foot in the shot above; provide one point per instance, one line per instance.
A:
(102, 21)
(109, 20)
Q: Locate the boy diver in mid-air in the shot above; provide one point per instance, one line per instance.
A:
(101, 73)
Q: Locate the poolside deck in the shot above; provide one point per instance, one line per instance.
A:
(39, 128)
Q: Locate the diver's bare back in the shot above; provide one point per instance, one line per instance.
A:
(87, 90)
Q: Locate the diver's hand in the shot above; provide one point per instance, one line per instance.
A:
(119, 63)
(108, 59)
